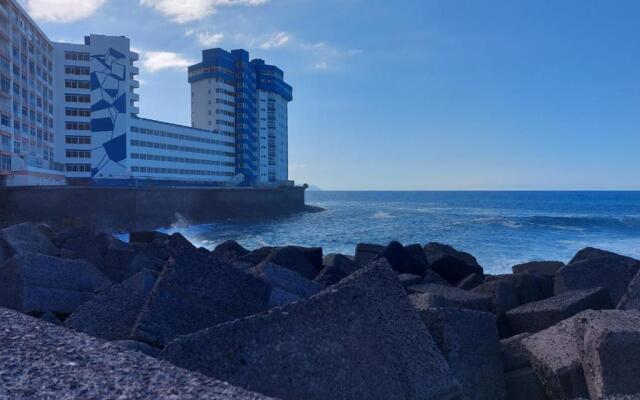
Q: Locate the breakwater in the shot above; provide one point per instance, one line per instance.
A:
(141, 207)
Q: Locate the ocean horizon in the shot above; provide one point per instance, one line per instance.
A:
(500, 228)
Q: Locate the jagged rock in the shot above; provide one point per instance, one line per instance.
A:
(147, 236)
(286, 280)
(471, 281)
(293, 258)
(540, 315)
(631, 299)
(51, 318)
(432, 277)
(194, 292)
(529, 286)
(548, 268)
(323, 347)
(428, 295)
(407, 280)
(257, 256)
(610, 353)
(405, 260)
(178, 244)
(469, 341)
(365, 253)
(117, 260)
(38, 283)
(336, 267)
(229, 250)
(24, 238)
(313, 255)
(134, 345)
(84, 243)
(592, 268)
(514, 354)
(141, 262)
(523, 384)
(112, 313)
(503, 298)
(451, 264)
(555, 356)
(44, 361)
(46, 230)
(157, 249)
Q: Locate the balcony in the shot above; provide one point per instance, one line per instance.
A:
(135, 97)
(135, 70)
(135, 84)
(134, 56)
(4, 12)
(4, 34)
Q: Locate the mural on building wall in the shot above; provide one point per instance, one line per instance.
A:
(109, 113)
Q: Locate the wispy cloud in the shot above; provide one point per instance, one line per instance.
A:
(325, 56)
(182, 11)
(154, 61)
(277, 40)
(63, 11)
(210, 39)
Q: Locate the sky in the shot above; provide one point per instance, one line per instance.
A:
(409, 94)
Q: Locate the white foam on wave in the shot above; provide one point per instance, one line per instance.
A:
(381, 215)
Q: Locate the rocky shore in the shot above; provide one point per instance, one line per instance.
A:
(86, 316)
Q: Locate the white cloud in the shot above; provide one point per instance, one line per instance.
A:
(154, 61)
(182, 11)
(277, 40)
(327, 57)
(63, 11)
(210, 39)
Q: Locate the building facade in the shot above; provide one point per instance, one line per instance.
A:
(26, 101)
(101, 137)
(247, 100)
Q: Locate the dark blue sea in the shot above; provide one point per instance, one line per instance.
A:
(499, 228)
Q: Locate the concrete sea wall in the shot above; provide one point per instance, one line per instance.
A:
(143, 208)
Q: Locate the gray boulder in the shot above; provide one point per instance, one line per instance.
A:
(405, 260)
(44, 361)
(112, 313)
(407, 280)
(523, 384)
(336, 267)
(611, 353)
(540, 315)
(147, 236)
(195, 291)
(432, 277)
(428, 295)
(357, 339)
(117, 261)
(295, 259)
(592, 268)
(134, 345)
(503, 298)
(451, 264)
(366, 252)
(82, 242)
(24, 238)
(556, 358)
(471, 281)
(229, 250)
(314, 256)
(286, 280)
(469, 341)
(529, 286)
(514, 354)
(51, 318)
(631, 299)
(35, 283)
(548, 268)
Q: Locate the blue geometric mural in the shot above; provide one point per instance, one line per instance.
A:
(109, 86)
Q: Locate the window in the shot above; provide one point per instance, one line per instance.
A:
(77, 139)
(5, 120)
(5, 84)
(72, 84)
(75, 70)
(77, 126)
(77, 98)
(78, 167)
(76, 56)
(77, 112)
(78, 153)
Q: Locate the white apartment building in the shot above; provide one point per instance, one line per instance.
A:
(26, 101)
(101, 138)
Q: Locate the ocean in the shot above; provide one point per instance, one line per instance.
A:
(499, 228)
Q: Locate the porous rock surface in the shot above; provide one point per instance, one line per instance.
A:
(39, 360)
(427, 295)
(357, 339)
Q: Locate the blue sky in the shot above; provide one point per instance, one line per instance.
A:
(424, 94)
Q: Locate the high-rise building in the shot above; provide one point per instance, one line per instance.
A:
(102, 139)
(26, 101)
(248, 100)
